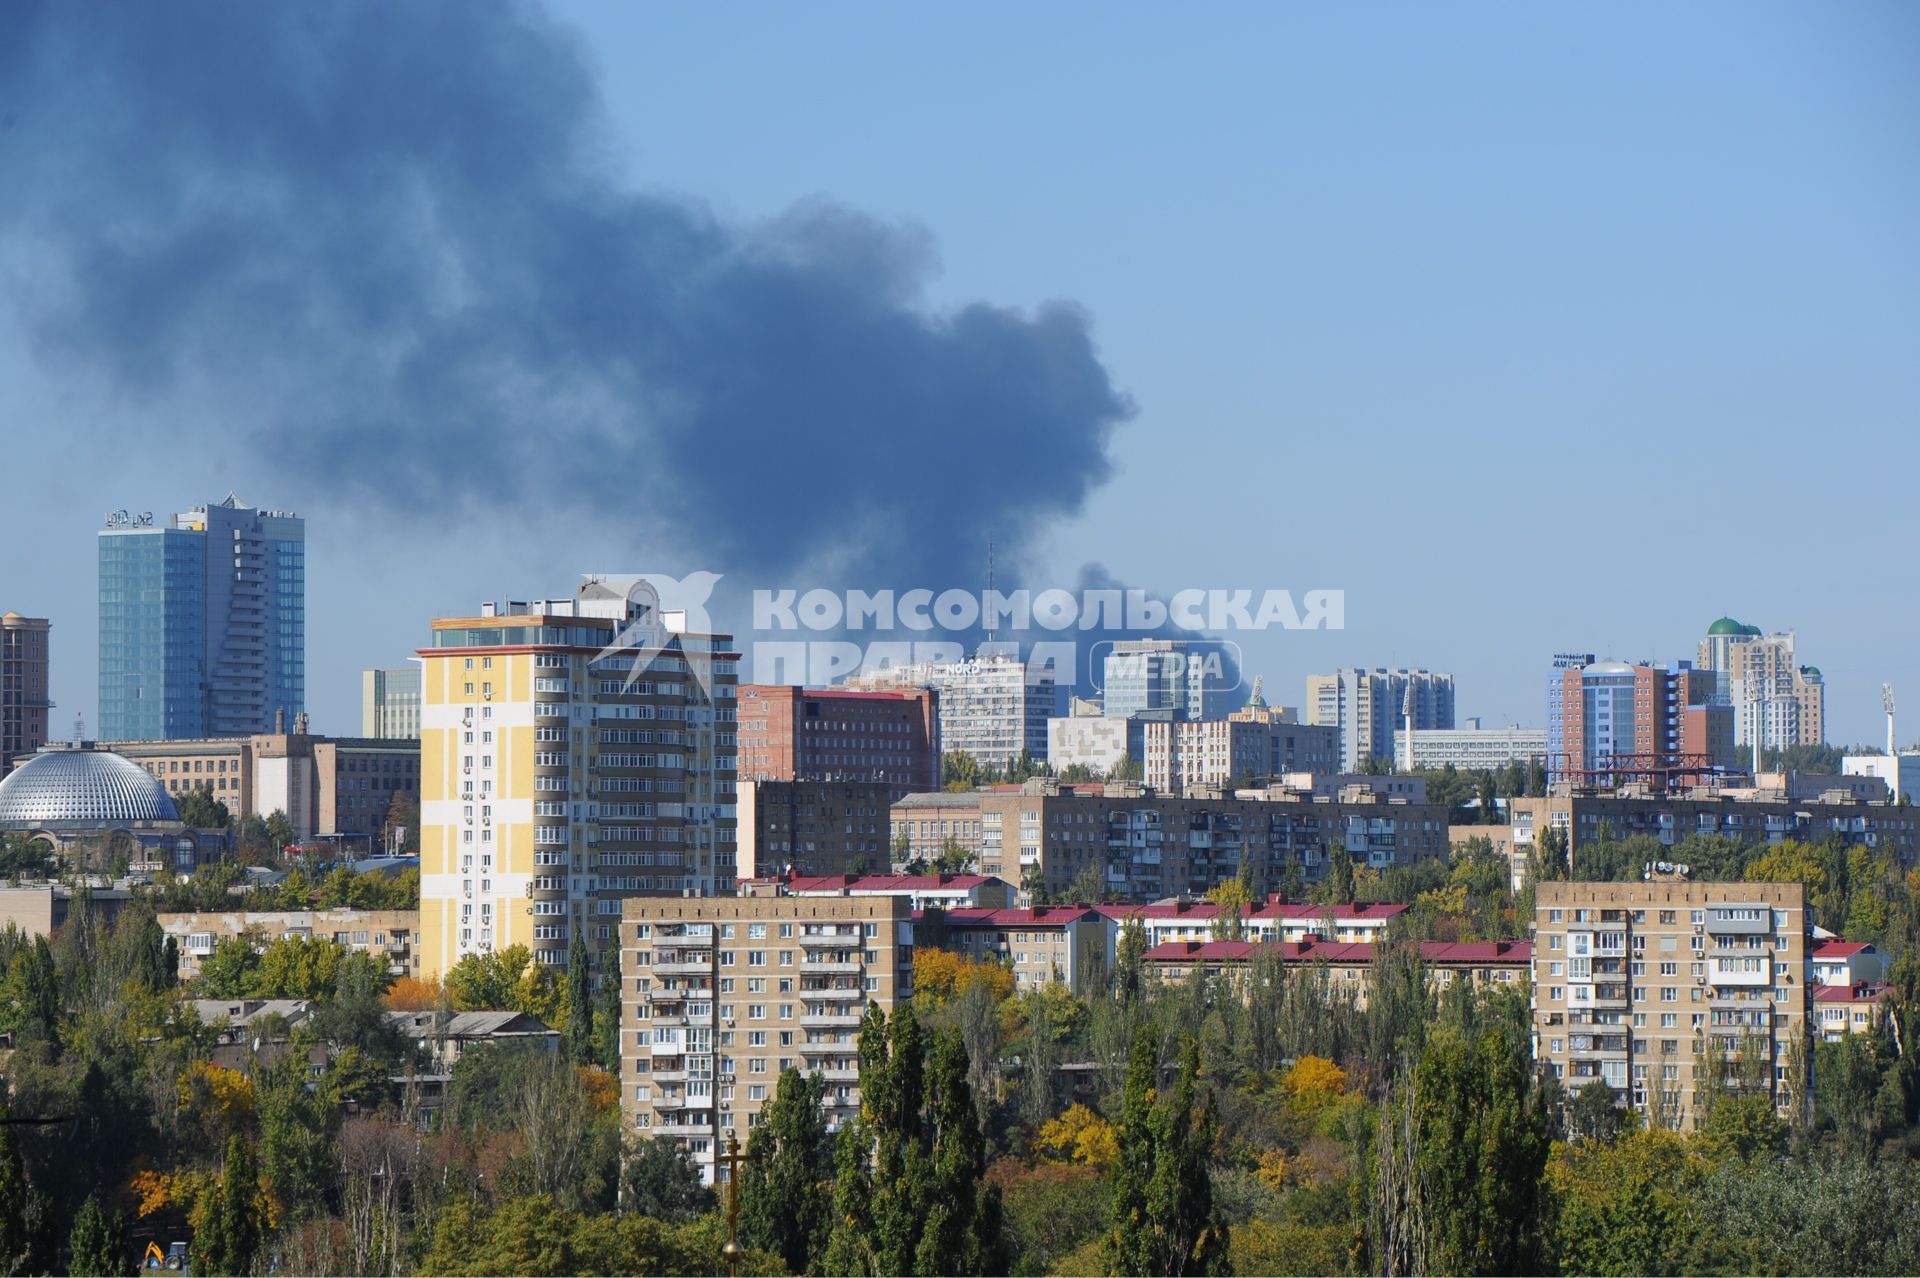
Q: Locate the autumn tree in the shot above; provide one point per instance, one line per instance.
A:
(97, 1245)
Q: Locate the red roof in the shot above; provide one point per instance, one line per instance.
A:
(887, 882)
(1871, 992)
(1204, 910)
(1505, 953)
(1045, 916)
(1837, 949)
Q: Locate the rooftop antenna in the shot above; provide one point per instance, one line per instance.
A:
(1886, 703)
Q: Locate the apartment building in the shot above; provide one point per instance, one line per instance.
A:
(1643, 985)
(24, 698)
(1145, 845)
(1611, 722)
(1042, 946)
(1165, 678)
(722, 994)
(1182, 755)
(923, 891)
(325, 786)
(574, 752)
(1347, 967)
(1274, 920)
(814, 827)
(1370, 708)
(390, 934)
(1750, 815)
(1777, 702)
(801, 734)
(1087, 738)
(1840, 1010)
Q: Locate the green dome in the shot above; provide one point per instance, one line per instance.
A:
(1728, 626)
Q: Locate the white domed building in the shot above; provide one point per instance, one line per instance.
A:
(66, 794)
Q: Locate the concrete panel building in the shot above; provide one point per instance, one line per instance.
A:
(1647, 986)
(1370, 707)
(814, 827)
(388, 934)
(992, 706)
(720, 995)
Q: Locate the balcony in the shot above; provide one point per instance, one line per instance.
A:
(837, 995)
(839, 1048)
(840, 1073)
(830, 967)
(847, 1020)
(851, 939)
(679, 995)
(684, 967)
(663, 1076)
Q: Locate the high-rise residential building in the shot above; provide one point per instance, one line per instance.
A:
(832, 734)
(1611, 721)
(1655, 987)
(1370, 707)
(813, 828)
(23, 686)
(390, 703)
(1163, 679)
(993, 705)
(574, 752)
(203, 622)
(721, 995)
(1777, 702)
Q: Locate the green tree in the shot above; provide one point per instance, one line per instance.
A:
(201, 811)
(229, 1220)
(786, 1184)
(279, 830)
(606, 1013)
(228, 972)
(1161, 1193)
(297, 1127)
(1626, 1207)
(16, 1203)
(487, 982)
(98, 1243)
(579, 1001)
(1337, 886)
(1462, 1147)
(660, 1180)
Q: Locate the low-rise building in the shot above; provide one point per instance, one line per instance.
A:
(924, 824)
(1840, 1010)
(1164, 922)
(1347, 966)
(1898, 773)
(38, 908)
(1471, 748)
(390, 934)
(446, 1038)
(721, 994)
(1634, 983)
(923, 891)
(814, 827)
(1042, 945)
(1838, 962)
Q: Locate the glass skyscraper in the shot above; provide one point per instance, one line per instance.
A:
(203, 624)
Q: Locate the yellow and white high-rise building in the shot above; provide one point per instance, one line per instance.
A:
(573, 753)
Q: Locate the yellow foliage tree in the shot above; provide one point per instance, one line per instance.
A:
(602, 1088)
(411, 994)
(939, 975)
(1078, 1136)
(1272, 1169)
(217, 1100)
(1314, 1080)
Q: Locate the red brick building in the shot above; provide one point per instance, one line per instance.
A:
(801, 734)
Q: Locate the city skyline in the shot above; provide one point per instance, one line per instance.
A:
(1744, 256)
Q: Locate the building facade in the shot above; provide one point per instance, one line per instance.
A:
(1097, 742)
(573, 752)
(1370, 708)
(1144, 845)
(324, 786)
(1471, 748)
(1900, 773)
(923, 824)
(1178, 756)
(800, 734)
(24, 703)
(1654, 987)
(387, 934)
(1346, 968)
(390, 704)
(720, 995)
(993, 705)
(1612, 721)
(1163, 679)
(1777, 702)
(814, 827)
(1751, 816)
(202, 622)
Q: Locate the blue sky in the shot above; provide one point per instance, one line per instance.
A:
(1533, 328)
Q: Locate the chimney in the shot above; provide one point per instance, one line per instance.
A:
(280, 721)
